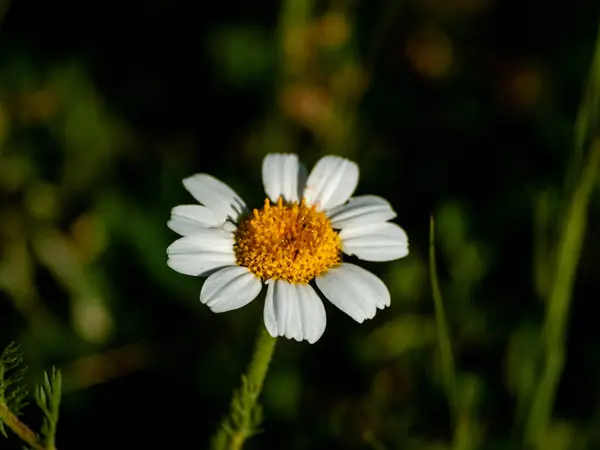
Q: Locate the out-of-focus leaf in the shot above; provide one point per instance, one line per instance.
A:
(561, 436)
(407, 280)
(399, 335)
(468, 430)
(91, 319)
(469, 387)
(4, 125)
(88, 133)
(542, 250)
(42, 201)
(282, 393)
(521, 366)
(89, 237)
(451, 225)
(16, 271)
(15, 171)
(469, 264)
(145, 235)
(242, 56)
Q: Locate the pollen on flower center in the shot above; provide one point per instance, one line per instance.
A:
(292, 242)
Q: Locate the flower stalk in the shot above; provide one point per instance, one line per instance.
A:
(245, 414)
(19, 428)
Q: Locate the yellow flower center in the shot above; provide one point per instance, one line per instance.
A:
(292, 242)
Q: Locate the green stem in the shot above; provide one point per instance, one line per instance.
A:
(557, 312)
(586, 124)
(580, 183)
(443, 333)
(461, 420)
(19, 428)
(245, 414)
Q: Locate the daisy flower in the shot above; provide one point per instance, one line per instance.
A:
(293, 244)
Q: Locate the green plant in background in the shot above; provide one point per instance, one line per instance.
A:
(13, 393)
(13, 396)
(461, 389)
(62, 107)
(319, 82)
(47, 397)
(536, 357)
(562, 268)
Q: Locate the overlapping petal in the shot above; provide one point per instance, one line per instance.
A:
(202, 252)
(284, 176)
(294, 311)
(360, 211)
(215, 195)
(188, 219)
(354, 290)
(379, 242)
(331, 182)
(230, 288)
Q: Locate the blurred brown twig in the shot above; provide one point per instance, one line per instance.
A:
(103, 367)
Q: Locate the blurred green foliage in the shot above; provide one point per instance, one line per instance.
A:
(467, 111)
(13, 392)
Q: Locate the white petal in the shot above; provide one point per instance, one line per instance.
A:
(354, 290)
(201, 252)
(281, 176)
(379, 242)
(361, 210)
(187, 219)
(294, 311)
(215, 195)
(230, 226)
(230, 288)
(331, 182)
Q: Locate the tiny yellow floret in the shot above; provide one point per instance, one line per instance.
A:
(292, 242)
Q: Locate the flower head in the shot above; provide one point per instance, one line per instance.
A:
(296, 240)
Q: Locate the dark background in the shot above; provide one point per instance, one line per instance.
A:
(461, 109)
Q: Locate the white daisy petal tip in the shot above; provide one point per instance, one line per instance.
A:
(201, 252)
(215, 195)
(378, 242)
(294, 311)
(230, 288)
(332, 182)
(360, 211)
(187, 219)
(354, 290)
(281, 174)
